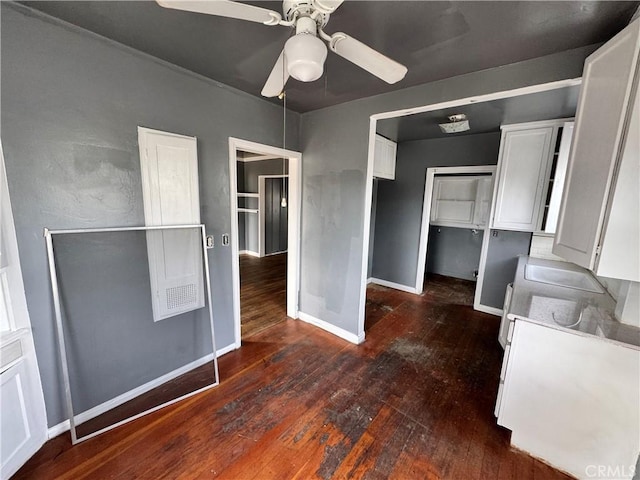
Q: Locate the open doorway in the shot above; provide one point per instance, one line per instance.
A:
(395, 253)
(455, 215)
(265, 208)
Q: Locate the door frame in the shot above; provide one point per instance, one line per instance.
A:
(22, 370)
(426, 215)
(261, 212)
(373, 120)
(293, 234)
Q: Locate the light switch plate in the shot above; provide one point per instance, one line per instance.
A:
(209, 241)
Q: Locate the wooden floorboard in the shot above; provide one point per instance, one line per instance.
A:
(263, 292)
(414, 401)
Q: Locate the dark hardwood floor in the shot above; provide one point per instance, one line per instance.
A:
(414, 401)
(263, 292)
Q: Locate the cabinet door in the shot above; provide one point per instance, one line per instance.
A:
(559, 178)
(524, 167)
(620, 253)
(384, 164)
(600, 122)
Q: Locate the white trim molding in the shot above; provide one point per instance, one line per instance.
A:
(487, 309)
(426, 213)
(397, 286)
(329, 327)
(248, 252)
(293, 242)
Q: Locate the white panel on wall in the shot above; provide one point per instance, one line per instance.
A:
(169, 165)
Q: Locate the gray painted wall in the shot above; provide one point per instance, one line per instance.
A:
(399, 203)
(262, 167)
(335, 143)
(106, 298)
(502, 260)
(71, 103)
(454, 252)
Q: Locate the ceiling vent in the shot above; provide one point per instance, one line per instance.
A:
(457, 123)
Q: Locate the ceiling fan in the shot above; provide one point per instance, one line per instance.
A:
(304, 53)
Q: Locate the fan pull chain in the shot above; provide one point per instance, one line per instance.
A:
(283, 201)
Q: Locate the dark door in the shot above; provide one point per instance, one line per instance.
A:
(275, 215)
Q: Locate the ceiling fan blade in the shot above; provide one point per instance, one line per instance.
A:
(225, 8)
(277, 78)
(367, 58)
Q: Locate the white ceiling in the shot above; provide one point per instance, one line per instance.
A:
(434, 39)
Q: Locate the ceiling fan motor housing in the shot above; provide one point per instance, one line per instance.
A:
(305, 8)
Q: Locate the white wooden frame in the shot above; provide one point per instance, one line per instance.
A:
(261, 218)
(48, 234)
(373, 120)
(426, 214)
(293, 241)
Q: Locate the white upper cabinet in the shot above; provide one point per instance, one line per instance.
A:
(524, 167)
(461, 201)
(598, 225)
(384, 163)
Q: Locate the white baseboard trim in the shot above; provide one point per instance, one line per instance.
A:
(56, 430)
(486, 309)
(397, 286)
(224, 350)
(369, 280)
(284, 252)
(131, 394)
(337, 331)
(249, 252)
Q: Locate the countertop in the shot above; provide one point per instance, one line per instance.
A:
(575, 311)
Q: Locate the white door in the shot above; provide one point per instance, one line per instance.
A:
(169, 166)
(600, 122)
(23, 422)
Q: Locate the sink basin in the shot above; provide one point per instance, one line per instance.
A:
(562, 278)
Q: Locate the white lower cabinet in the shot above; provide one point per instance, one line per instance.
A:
(572, 400)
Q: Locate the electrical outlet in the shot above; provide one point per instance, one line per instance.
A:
(494, 233)
(225, 239)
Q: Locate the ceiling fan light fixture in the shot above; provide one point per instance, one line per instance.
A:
(305, 54)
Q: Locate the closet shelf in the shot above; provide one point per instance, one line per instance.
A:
(247, 210)
(248, 195)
